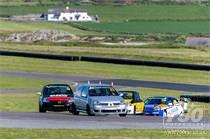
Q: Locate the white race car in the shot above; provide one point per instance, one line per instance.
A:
(164, 106)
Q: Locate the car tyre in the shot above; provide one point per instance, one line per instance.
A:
(89, 111)
(74, 110)
(134, 110)
(42, 109)
(123, 115)
(165, 114)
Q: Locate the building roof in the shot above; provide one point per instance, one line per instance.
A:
(58, 11)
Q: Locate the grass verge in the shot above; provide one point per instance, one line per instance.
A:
(19, 102)
(28, 102)
(158, 52)
(22, 83)
(14, 133)
(104, 70)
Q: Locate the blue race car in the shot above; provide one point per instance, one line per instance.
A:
(164, 106)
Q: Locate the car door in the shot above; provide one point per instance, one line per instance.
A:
(173, 109)
(138, 102)
(177, 106)
(77, 97)
(84, 98)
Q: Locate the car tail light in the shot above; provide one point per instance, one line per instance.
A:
(59, 98)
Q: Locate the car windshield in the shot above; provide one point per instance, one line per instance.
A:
(102, 91)
(154, 101)
(126, 95)
(56, 90)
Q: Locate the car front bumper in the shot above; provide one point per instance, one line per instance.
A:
(101, 110)
(65, 106)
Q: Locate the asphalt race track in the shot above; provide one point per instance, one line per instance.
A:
(117, 82)
(67, 120)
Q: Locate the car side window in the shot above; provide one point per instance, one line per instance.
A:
(174, 101)
(137, 97)
(78, 91)
(169, 100)
(84, 91)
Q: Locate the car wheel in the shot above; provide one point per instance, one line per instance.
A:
(164, 114)
(181, 114)
(74, 110)
(89, 111)
(134, 110)
(123, 115)
(42, 109)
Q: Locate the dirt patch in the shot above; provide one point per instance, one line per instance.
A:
(126, 43)
(39, 35)
(198, 41)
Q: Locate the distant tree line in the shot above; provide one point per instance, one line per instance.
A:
(125, 1)
(149, 1)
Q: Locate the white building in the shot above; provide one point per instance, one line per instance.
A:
(74, 15)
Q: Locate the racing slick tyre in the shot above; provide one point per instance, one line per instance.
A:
(123, 115)
(42, 109)
(89, 111)
(74, 110)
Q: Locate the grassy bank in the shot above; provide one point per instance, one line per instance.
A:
(104, 70)
(12, 133)
(7, 27)
(157, 52)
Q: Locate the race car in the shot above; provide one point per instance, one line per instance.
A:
(134, 104)
(55, 97)
(98, 99)
(164, 106)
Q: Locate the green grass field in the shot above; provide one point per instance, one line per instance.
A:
(104, 70)
(157, 52)
(139, 27)
(109, 13)
(11, 133)
(129, 19)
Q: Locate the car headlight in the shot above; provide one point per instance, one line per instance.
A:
(157, 108)
(128, 104)
(122, 102)
(45, 99)
(96, 102)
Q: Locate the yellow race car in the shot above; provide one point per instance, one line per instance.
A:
(134, 103)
